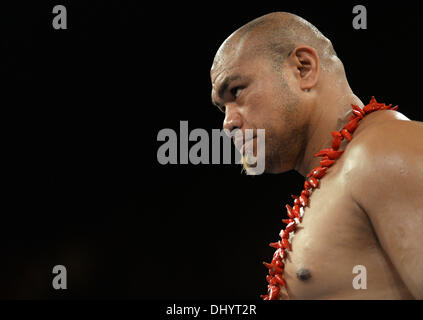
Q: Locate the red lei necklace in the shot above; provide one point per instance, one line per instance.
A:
(295, 213)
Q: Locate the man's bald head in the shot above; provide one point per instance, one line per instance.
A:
(274, 73)
(276, 35)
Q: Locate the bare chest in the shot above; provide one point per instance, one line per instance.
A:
(334, 238)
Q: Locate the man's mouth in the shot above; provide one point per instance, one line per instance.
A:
(240, 146)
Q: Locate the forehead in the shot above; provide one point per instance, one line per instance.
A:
(225, 60)
(232, 59)
(239, 51)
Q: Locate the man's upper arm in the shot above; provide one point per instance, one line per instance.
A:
(387, 182)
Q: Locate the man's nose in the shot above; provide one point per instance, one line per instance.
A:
(232, 120)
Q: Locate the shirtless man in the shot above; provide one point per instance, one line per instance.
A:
(279, 73)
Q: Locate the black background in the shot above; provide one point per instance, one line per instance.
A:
(81, 109)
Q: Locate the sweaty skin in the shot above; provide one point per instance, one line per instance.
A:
(368, 209)
(353, 217)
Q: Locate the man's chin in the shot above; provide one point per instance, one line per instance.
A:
(251, 167)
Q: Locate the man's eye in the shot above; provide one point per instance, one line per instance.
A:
(236, 91)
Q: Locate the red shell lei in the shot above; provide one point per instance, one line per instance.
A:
(295, 213)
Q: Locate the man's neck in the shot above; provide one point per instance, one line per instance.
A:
(331, 116)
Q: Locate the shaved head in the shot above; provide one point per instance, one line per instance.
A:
(275, 35)
(275, 73)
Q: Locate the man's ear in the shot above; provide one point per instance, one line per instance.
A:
(306, 62)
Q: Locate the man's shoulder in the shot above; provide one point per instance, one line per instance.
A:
(385, 154)
(384, 174)
(387, 149)
(384, 134)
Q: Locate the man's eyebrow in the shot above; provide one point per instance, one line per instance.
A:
(224, 86)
